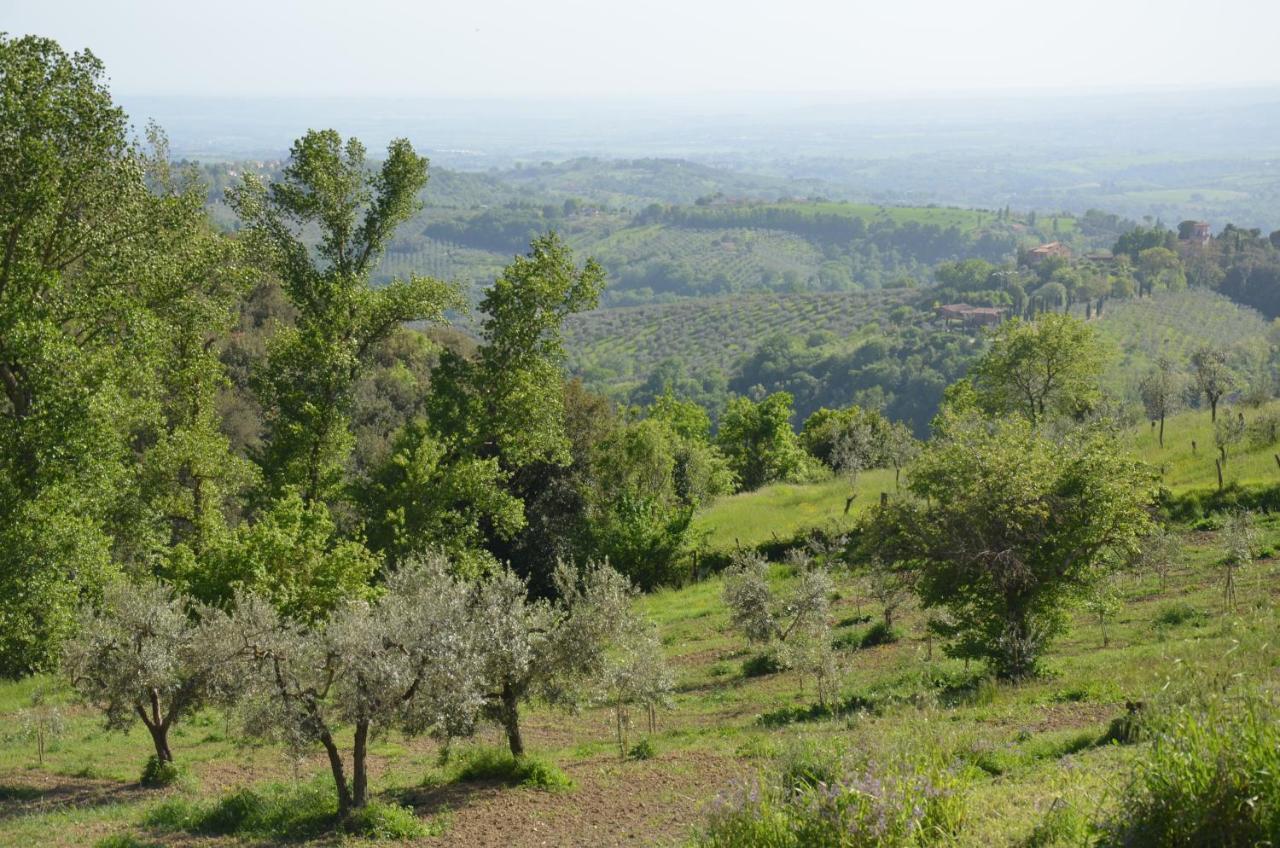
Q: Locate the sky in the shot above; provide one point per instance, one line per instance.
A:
(571, 48)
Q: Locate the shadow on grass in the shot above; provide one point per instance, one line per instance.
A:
(17, 800)
(817, 712)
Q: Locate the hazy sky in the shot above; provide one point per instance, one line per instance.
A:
(572, 47)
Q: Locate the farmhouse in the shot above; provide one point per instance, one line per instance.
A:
(970, 316)
(1198, 232)
(1036, 255)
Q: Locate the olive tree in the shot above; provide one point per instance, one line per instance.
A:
(407, 660)
(1213, 376)
(794, 625)
(636, 675)
(1161, 390)
(143, 656)
(553, 650)
(1008, 525)
(1240, 542)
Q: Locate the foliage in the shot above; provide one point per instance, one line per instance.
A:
(481, 763)
(852, 808)
(537, 648)
(1209, 778)
(408, 659)
(1041, 369)
(637, 675)
(759, 443)
(1008, 524)
(157, 772)
(142, 656)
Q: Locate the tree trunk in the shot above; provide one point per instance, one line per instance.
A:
(160, 738)
(1213, 410)
(360, 765)
(511, 720)
(339, 775)
(1161, 431)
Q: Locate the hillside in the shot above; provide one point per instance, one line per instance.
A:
(617, 346)
(1023, 761)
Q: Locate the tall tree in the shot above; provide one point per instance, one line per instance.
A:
(306, 386)
(89, 257)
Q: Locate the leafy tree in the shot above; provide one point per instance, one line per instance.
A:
(1161, 390)
(408, 660)
(538, 648)
(306, 386)
(759, 443)
(1228, 432)
(90, 256)
(291, 556)
(637, 675)
(1213, 376)
(1039, 369)
(508, 402)
(143, 656)
(1160, 268)
(1160, 552)
(1240, 542)
(417, 500)
(1007, 525)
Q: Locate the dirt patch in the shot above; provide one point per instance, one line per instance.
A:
(652, 802)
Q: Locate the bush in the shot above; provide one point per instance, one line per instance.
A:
(377, 820)
(642, 750)
(158, 772)
(879, 634)
(1178, 612)
(497, 764)
(1064, 826)
(761, 665)
(1211, 777)
(124, 840)
(854, 809)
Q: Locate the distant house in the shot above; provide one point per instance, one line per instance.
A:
(1200, 232)
(970, 316)
(1036, 255)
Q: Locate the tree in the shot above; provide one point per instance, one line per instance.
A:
(538, 648)
(1008, 525)
(1042, 368)
(408, 660)
(1160, 552)
(508, 403)
(1161, 391)
(1160, 268)
(1240, 541)
(637, 675)
(1213, 376)
(312, 367)
(793, 626)
(142, 655)
(758, 441)
(1228, 432)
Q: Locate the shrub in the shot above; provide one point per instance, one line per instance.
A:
(761, 665)
(879, 634)
(277, 811)
(1211, 777)
(1178, 612)
(158, 772)
(1063, 825)
(642, 750)
(377, 820)
(484, 763)
(124, 840)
